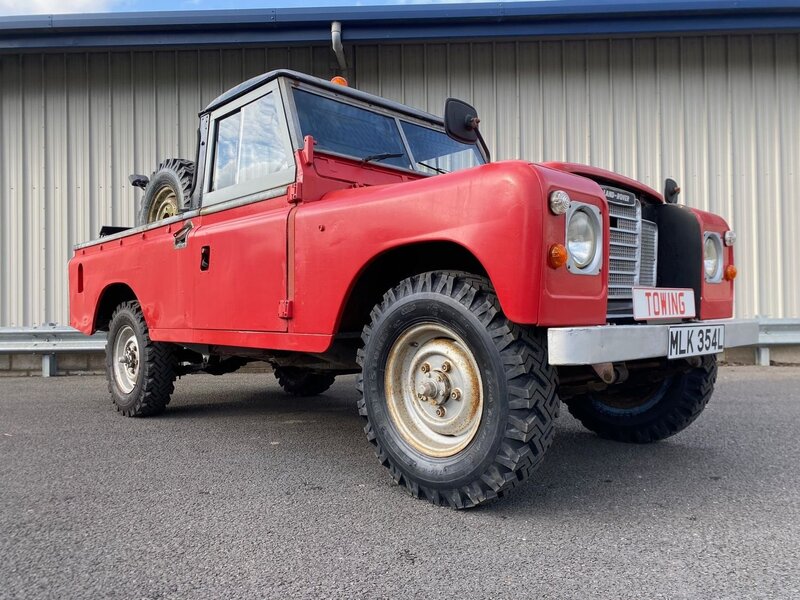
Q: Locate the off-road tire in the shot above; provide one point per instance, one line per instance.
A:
(298, 381)
(176, 174)
(520, 404)
(156, 374)
(671, 409)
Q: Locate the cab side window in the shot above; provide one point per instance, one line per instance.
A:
(251, 151)
(228, 132)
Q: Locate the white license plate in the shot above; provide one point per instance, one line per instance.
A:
(655, 304)
(695, 340)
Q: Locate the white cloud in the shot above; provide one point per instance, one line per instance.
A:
(51, 7)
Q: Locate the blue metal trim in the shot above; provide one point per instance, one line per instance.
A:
(385, 34)
(397, 22)
(383, 13)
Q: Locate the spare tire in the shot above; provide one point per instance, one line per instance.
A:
(168, 191)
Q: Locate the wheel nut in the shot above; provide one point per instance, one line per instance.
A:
(440, 411)
(455, 394)
(445, 366)
(425, 367)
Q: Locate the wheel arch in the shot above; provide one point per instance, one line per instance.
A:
(112, 296)
(392, 266)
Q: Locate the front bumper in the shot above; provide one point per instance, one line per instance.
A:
(617, 343)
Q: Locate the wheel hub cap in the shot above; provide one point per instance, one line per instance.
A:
(433, 390)
(126, 359)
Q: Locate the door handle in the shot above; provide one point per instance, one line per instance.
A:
(181, 235)
(205, 257)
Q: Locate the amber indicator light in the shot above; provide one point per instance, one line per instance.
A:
(339, 80)
(556, 256)
(730, 273)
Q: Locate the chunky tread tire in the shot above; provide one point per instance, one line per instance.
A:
(683, 401)
(177, 173)
(156, 383)
(530, 382)
(298, 381)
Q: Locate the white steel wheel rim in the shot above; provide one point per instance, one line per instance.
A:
(434, 390)
(165, 205)
(126, 359)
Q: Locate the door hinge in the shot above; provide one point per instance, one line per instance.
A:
(295, 192)
(285, 309)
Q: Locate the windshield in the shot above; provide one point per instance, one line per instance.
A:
(374, 137)
(433, 151)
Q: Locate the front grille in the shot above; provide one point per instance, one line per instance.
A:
(633, 249)
(649, 254)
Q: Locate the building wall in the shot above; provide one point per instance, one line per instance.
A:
(720, 114)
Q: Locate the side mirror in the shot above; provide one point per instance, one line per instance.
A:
(671, 191)
(461, 121)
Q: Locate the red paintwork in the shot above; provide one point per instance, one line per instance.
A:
(309, 247)
(610, 177)
(716, 298)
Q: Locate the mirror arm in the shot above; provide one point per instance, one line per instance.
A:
(484, 146)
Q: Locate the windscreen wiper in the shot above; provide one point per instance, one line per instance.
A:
(432, 168)
(379, 157)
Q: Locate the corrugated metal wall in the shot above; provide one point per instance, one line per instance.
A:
(720, 114)
(74, 126)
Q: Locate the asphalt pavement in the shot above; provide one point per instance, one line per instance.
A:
(239, 491)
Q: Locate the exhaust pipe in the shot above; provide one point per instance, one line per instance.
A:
(338, 49)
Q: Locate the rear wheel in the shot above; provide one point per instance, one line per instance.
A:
(140, 372)
(459, 402)
(298, 381)
(642, 410)
(167, 192)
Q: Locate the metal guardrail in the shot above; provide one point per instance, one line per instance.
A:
(51, 340)
(775, 332)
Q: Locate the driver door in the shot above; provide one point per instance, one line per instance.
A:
(240, 248)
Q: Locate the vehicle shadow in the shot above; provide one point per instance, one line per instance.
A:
(581, 472)
(586, 474)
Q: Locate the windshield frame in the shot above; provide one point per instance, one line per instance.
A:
(435, 124)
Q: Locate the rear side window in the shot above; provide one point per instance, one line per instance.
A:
(350, 130)
(249, 144)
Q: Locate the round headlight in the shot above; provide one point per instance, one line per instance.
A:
(581, 238)
(712, 257)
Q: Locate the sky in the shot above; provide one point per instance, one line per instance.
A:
(30, 7)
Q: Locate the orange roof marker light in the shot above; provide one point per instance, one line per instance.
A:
(339, 80)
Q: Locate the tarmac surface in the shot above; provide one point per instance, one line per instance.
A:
(239, 491)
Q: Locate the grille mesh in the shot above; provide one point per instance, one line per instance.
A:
(647, 266)
(633, 247)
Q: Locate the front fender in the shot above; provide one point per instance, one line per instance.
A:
(497, 212)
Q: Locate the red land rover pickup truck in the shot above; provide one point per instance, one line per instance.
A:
(328, 231)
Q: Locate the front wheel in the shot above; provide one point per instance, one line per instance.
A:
(140, 372)
(459, 402)
(644, 410)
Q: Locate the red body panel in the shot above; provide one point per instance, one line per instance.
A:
(610, 177)
(281, 270)
(494, 211)
(716, 299)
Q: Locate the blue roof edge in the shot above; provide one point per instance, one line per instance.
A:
(396, 22)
